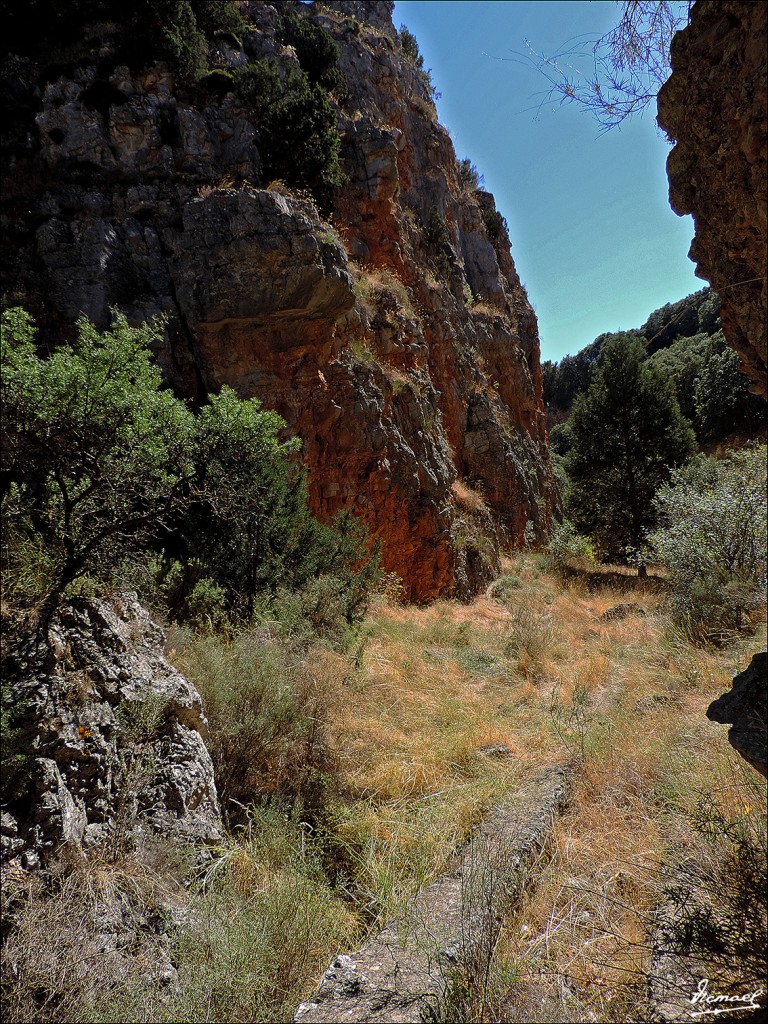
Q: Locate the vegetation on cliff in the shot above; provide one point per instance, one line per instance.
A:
(684, 341)
(103, 463)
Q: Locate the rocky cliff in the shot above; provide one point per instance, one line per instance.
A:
(714, 107)
(391, 331)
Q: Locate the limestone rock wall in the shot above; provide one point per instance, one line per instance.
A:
(113, 741)
(714, 107)
(392, 334)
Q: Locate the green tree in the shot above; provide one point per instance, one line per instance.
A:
(98, 455)
(102, 462)
(721, 395)
(627, 432)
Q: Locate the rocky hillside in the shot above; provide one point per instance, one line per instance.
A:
(104, 746)
(390, 330)
(713, 107)
(685, 340)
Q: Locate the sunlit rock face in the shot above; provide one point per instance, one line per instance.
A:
(392, 332)
(714, 107)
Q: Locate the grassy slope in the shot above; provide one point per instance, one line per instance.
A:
(396, 729)
(540, 670)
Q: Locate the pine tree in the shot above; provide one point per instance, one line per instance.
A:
(627, 432)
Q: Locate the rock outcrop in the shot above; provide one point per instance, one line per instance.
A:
(714, 107)
(112, 739)
(745, 709)
(392, 333)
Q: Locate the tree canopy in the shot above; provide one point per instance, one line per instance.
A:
(103, 462)
(626, 433)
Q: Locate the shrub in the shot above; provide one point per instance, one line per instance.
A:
(411, 50)
(297, 126)
(410, 46)
(495, 225)
(266, 717)
(713, 906)
(181, 40)
(438, 239)
(713, 540)
(470, 178)
(252, 941)
(567, 544)
(316, 49)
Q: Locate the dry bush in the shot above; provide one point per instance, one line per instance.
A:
(87, 939)
(531, 639)
(268, 707)
(468, 498)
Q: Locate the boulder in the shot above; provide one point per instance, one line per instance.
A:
(745, 709)
(113, 738)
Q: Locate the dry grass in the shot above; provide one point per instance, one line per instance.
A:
(394, 738)
(650, 758)
(542, 669)
(467, 498)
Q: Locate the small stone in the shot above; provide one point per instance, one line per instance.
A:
(495, 750)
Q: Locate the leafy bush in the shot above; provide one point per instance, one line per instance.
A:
(567, 544)
(713, 540)
(297, 127)
(244, 944)
(101, 462)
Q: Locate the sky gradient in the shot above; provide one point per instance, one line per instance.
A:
(593, 236)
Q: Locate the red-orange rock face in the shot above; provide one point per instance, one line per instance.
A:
(395, 340)
(714, 107)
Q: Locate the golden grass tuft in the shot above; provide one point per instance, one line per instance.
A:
(468, 498)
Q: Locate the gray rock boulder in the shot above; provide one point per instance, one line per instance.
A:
(113, 739)
(745, 709)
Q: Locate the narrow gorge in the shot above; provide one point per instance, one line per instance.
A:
(391, 332)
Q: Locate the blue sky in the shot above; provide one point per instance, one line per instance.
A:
(593, 236)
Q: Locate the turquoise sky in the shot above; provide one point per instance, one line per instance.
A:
(593, 236)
